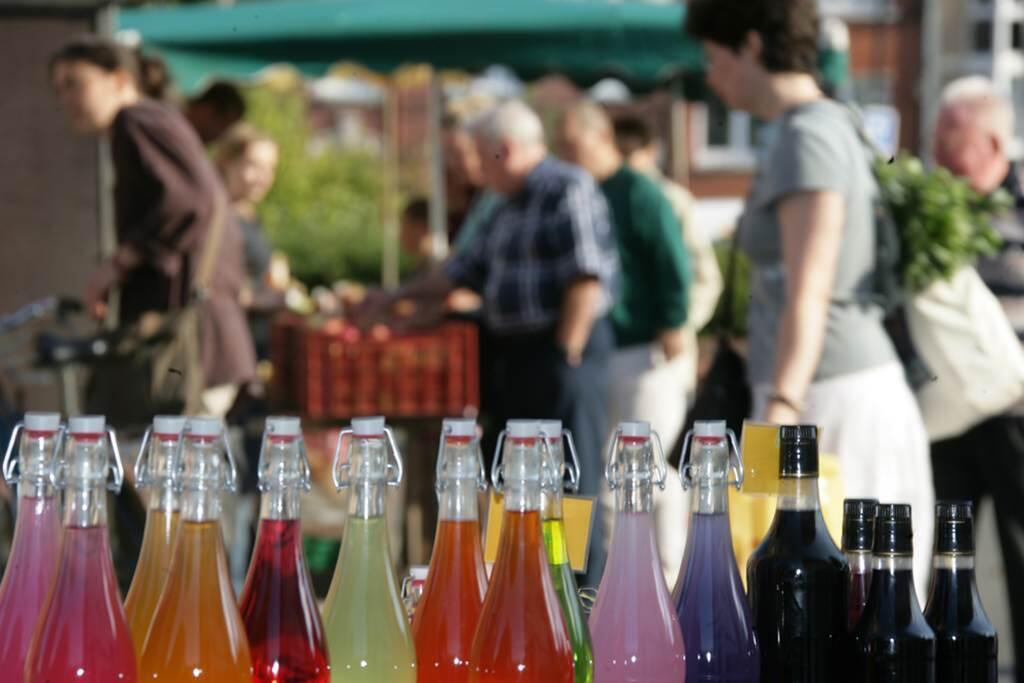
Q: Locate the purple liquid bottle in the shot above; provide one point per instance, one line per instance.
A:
(713, 612)
(37, 535)
(633, 626)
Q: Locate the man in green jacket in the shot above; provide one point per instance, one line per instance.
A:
(649, 317)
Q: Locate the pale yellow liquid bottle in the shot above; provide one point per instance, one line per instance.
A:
(155, 471)
(368, 635)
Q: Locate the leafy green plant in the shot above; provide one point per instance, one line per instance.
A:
(943, 224)
(740, 296)
(324, 209)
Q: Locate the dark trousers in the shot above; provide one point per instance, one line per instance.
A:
(988, 460)
(533, 380)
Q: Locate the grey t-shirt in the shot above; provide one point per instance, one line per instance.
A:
(815, 147)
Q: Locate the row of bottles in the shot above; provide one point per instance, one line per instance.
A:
(814, 613)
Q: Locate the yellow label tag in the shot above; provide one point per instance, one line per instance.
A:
(578, 513)
(759, 445)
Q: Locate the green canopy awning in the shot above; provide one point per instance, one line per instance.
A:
(638, 42)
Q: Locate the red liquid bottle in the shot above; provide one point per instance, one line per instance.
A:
(37, 535)
(446, 615)
(282, 621)
(83, 636)
(522, 636)
(858, 541)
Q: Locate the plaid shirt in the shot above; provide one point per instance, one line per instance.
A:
(555, 230)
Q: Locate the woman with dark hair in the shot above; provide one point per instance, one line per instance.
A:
(167, 197)
(818, 351)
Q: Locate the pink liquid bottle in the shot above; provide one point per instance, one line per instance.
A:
(633, 626)
(83, 636)
(37, 535)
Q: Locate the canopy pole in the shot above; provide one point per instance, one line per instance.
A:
(435, 155)
(390, 274)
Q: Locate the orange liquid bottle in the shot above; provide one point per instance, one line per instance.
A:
(447, 614)
(197, 633)
(522, 636)
(155, 470)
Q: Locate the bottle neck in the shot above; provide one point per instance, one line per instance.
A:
(281, 503)
(798, 494)
(283, 477)
(955, 562)
(709, 474)
(160, 471)
(458, 479)
(367, 482)
(523, 475)
(860, 561)
(35, 465)
(554, 489)
(551, 504)
(203, 478)
(896, 565)
(85, 506)
(633, 474)
(83, 476)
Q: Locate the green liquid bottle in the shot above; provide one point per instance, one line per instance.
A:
(368, 635)
(558, 552)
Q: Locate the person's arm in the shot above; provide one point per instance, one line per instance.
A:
(811, 231)
(427, 291)
(579, 310)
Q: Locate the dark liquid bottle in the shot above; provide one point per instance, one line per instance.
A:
(966, 642)
(892, 642)
(858, 540)
(797, 578)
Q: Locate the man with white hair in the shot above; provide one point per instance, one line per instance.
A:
(971, 139)
(546, 269)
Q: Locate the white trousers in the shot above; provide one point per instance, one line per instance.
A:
(646, 386)
(871, 422)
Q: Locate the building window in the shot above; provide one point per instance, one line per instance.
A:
(857, 9)
(982, 41)
(1017, 36)
(723, 140)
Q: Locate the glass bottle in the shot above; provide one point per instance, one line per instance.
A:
(714, 615)
(155, 469)
(798, 578)
(197, 632)
(966, 643)
(553, 526)
(278, 606)
(35, 551)
(893, 642)
(367, 631)
(412, 590)
(447, 613)
(521, 637)
(83, 636)
(636, 633)
(858, 540)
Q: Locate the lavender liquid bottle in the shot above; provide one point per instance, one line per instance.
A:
(717, 626)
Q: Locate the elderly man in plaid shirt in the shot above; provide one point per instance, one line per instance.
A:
(545, 267)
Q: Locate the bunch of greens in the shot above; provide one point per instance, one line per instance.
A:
(943, 224)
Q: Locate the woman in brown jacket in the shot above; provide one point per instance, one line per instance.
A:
(166, 197)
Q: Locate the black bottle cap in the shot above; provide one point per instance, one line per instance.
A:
(798, 451)
(954, 527)
(859, 524)
(894, 533)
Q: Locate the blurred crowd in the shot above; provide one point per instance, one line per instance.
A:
(585, 268)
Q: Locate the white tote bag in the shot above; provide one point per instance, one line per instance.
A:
(962, 333)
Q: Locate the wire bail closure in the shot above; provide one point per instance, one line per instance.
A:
(440, 480)
(231, 484)
(571, 468)
(660, 462)
(142, 465)
(735, 461)
(341, 471)
(306, 480)
(11, 469)
(116, 468)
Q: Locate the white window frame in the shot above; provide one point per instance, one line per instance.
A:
(738, 155)
(860, 10)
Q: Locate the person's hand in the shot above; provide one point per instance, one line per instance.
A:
(672, 343)
(780, 412)
(98, 288)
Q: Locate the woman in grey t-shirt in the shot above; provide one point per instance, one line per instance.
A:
(818, 351)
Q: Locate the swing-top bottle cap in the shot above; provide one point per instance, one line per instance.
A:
(459, 427)
(635, 429)
(204, 426)
(522, 429)
(168, 424)
(368, 427)
(284, 426)
(894, 534)
(709, 430)
(859, 524)
(87, 424)
(552, 429)
(954, 527)
(418, 572)
(42, 422)
(798, 451)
